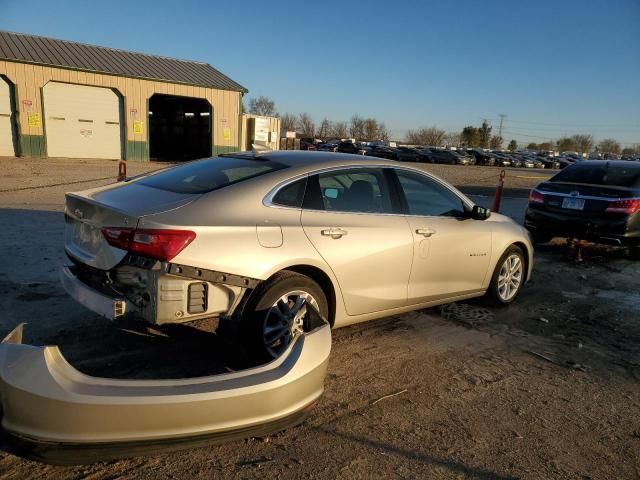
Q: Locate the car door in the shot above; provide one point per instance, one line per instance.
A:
(348, 215)
(451, 252)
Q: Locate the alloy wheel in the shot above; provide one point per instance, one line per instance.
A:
(510, 277)
(285, 320)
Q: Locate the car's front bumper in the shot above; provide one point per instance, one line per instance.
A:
(53, 412)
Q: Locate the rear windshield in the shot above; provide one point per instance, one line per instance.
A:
(600, 174)
(203, 176)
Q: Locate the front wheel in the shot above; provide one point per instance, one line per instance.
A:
(508, 277)
(276, 312)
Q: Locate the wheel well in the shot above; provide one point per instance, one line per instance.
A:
(525, 250)
(325, 283)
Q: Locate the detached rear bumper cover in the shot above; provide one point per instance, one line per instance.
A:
(50, 408)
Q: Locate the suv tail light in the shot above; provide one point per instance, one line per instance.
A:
(162, 245)
(536, 197)
(629, 206)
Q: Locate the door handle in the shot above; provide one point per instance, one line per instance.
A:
(334, 233)
(425, 232)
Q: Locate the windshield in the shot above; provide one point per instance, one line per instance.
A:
(203, 176)
(600, 174)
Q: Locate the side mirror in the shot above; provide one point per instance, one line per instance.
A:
(479, 213)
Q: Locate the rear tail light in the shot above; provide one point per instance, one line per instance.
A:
(629, 206)
(162, 245)
(536, 197)
(118, 237)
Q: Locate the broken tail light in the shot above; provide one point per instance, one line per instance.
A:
(628, 206)
(160, 244)
(536, 197)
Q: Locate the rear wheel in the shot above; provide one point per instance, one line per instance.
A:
(274, 315)
(508, 277)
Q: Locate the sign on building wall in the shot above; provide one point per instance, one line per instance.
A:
(261, 133)
(226, 133)
(27, 104)
(137, 127)
(34, 119)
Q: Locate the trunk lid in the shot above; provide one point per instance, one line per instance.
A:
(596, 198)
(120, 205)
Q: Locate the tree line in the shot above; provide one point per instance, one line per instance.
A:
(585, 143)
(369, 129)
(360, 128)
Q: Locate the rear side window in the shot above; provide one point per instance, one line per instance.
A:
(203, 176)
(361, 190)
(600, 174)
(291, 195)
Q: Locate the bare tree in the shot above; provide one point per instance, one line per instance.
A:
(609, 145)
(584, 142)
(339, 130)
(306, 125)
(323, 131)
(370, 129)
(263, 106)
(383, 132)
(356, 127)
(566, 144)
(432, 136)
(288, 122)
(453, 139)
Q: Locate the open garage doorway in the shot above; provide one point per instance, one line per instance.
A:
(179, 128)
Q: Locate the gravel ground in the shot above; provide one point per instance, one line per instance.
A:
(546, 388)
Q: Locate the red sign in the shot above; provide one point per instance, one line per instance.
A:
(26, 104)
(133, 112)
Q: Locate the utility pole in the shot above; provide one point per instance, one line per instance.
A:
(502, 117)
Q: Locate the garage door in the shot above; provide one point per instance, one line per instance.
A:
(81, 121)
(6, 132)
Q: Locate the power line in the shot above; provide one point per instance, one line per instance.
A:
(578, 125)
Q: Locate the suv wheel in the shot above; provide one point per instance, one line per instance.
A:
(275, 313)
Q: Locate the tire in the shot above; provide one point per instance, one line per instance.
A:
(260, 314)
(499, 292)
(634, 252)
(540, 237)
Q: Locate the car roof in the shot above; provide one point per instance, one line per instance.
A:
(311, 159)
(609, 163)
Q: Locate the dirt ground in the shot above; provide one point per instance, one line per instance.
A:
(546, 388)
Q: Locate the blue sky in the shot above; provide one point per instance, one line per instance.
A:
(554, 67)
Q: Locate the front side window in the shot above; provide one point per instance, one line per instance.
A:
(361, 190)
(428, 197)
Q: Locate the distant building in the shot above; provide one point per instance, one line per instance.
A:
(68, 99)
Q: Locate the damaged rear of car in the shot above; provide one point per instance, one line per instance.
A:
(121, 249)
